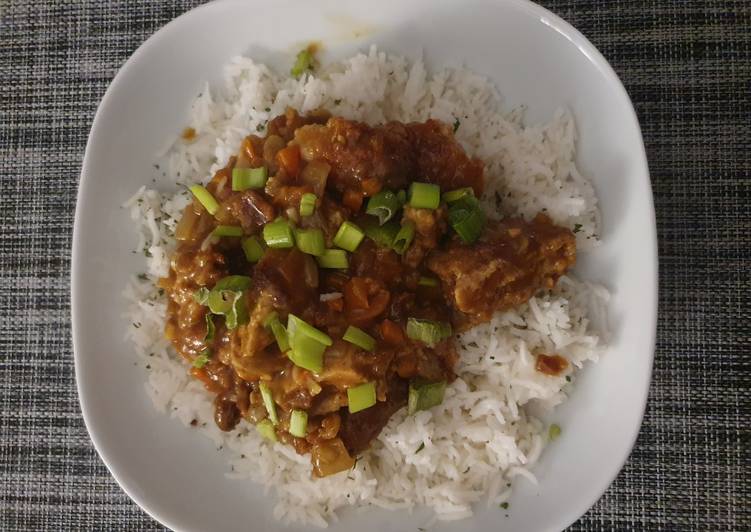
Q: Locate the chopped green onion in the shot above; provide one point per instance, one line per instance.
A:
(268, 402)
(280, 334)
(226, 298)
(233, 282)
(425, 395)
(202, 359)
(308, 344)
(266, 429)
(201, 296)
(278, 234)
(424, 195)
(348, 236)
(270, 318)
(303, 62)
(359, 338)
(467, 219)
(227, 230)
(297, 327)
(404, 237)
(221, 301)
(205, 198)
(383, 235)
(210, 329)
(298, 423)
(426, 331)
(361, 397)
(384, 205)
(245, 178)
(459, 193)
(252, 248)
(333, 259)
(310, 241)
(554, 432)
(307, 354)
(238, 314)
(427, 281)
(307, 204)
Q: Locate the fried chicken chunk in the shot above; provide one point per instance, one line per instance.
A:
(505, 268)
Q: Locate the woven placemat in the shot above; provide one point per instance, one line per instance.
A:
(686, 65)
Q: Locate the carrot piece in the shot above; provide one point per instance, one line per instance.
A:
(391, 332)
(352, 200)
(289, 159)
(371, 186)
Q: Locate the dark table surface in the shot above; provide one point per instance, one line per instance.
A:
(686, 65)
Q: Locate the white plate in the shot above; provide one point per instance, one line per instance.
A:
(535, 58)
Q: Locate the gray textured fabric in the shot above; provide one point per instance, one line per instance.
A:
(687, 67)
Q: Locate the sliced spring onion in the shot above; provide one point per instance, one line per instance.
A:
(252, 248)
(359, 338)
(231, 305)
(233, 282)
(554, 432)
(266, 429)
(310, 241)
(278, 234)
(298, 423)
(278, 330)
(307, 354)
(384, 205)
(404, 237)
(268, 320)
(459, 193)
(466, 218)
(202, 359)
(303, 62)
(425, 395)
(201, 296)
(361, 397)
(245, 178)
(427, 281)
(424, 195)
(333, 259)
(205, 198)
(227, 230)
(308, 344)
(427, 331)
(238, 314)
(348, 236)
(268, 402)
(298, 327)
(210, 329)
(307, 204)
(383, 235)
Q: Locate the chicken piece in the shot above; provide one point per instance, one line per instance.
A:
(341, 366)
(505, 267)
(249, 208)
(430, 226)
(365, 159)
(441, 159)
(357, 152)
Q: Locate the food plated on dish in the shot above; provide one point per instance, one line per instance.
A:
(498, 428)
(349, 288)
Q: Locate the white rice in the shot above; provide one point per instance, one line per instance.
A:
(481, 436)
